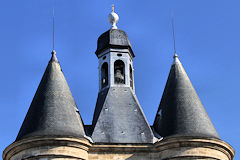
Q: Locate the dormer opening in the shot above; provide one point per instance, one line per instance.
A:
(119, 75)
(131, 76)
(104, 74)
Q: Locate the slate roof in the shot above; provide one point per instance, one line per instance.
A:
(181, 112)
(113, 38)
(53, 111)
(118, 118)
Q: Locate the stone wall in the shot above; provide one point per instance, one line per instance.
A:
(75, 149)
(166, 149)
(41, 148)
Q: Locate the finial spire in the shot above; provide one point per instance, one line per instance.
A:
(53, 29)
(173, 31)
(113, 18)
(54, 57)
(112, 7)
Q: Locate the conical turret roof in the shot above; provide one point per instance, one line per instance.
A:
(53, 111)
(181, 112)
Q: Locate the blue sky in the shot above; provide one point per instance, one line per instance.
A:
(207, 41)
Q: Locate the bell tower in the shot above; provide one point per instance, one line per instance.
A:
(115, 57)
(118, 117)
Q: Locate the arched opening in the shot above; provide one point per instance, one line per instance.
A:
(119, 75)
(131, 76)
(104, 74)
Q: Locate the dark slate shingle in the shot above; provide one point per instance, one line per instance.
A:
(53, 111)
(113, 38)
(181, 112)
(118, 118)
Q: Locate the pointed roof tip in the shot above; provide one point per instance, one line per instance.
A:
(181, 112)
(53, 52)
(175, 55)
(112, 7)
(54, 57)
(175, 59)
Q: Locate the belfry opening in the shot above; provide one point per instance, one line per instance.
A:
(119, 75)
(104, 72)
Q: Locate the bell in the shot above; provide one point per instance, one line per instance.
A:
(119, 78)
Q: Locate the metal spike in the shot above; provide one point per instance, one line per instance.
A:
(174, 42)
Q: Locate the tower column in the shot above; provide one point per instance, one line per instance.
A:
(46, 148)
(193, 148)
